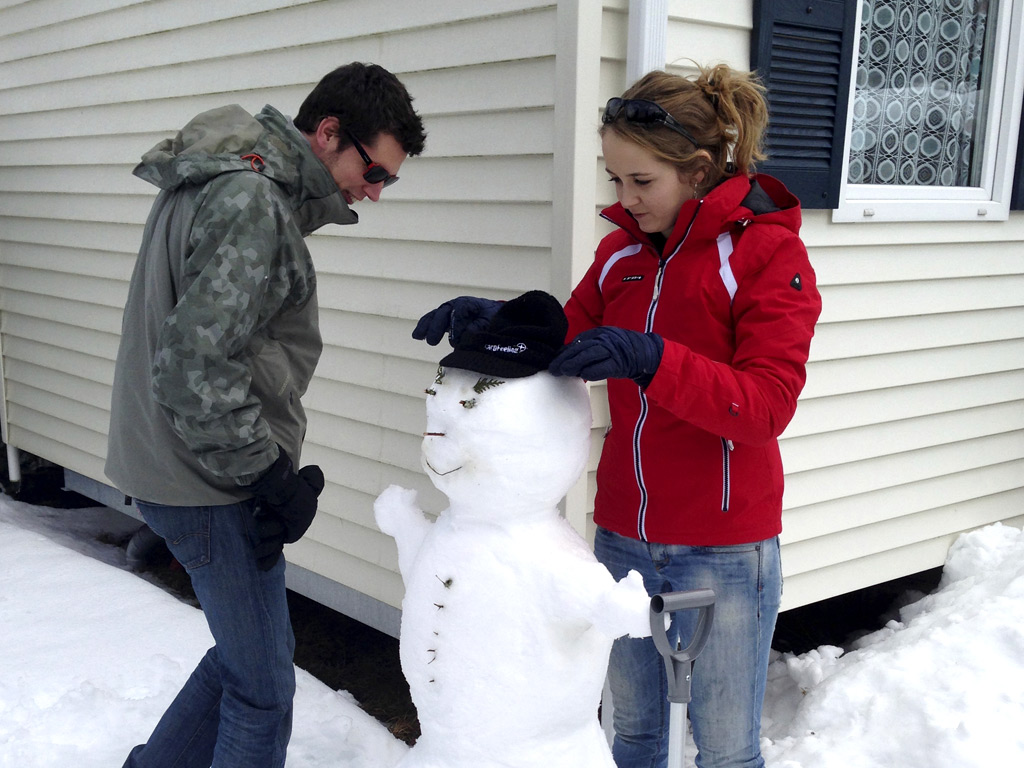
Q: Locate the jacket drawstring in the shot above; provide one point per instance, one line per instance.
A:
(253, 159)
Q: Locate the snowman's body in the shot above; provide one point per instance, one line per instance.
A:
(508, 619)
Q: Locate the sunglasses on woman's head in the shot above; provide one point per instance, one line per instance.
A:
(644, 112)
(375, 172)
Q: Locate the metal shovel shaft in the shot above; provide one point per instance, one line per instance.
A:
(676, 727)
(679, 661)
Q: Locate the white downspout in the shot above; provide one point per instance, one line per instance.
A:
(13, 466)
(646, 44)
(13, 456)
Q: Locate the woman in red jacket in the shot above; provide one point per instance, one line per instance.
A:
(699, 311)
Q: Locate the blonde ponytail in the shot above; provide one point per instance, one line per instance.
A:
(723, 108)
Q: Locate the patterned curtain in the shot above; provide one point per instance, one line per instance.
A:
(920, 92)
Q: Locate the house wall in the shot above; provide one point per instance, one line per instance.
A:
(88, 87)
(910, 428)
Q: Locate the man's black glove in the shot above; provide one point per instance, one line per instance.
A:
(455, 317)
(285, 507)
(607, 352)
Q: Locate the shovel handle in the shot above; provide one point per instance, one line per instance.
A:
(679, 661)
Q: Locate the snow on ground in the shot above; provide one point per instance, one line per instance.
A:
(943, 686)
(92, 654)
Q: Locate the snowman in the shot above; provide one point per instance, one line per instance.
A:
(508, 619)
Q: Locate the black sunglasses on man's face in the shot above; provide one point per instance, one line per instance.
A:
(375, 172)
(645, 113)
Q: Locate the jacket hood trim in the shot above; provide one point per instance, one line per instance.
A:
(760, 198)
(228, 139)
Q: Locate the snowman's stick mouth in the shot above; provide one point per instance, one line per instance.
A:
(440, 474)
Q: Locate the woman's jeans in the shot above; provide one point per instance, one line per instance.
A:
(728, 676)
(235, 711)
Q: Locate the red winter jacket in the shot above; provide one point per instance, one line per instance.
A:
(694, 458)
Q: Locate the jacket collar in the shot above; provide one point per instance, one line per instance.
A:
(307, 180)
(738, 200)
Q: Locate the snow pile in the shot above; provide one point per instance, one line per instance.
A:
(92, 655)
(943, 686)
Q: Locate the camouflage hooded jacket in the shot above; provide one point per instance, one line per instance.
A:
(220, 334)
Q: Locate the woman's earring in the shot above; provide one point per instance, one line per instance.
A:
(695, 185)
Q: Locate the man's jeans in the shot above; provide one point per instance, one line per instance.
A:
(729, 675)
(235, 711)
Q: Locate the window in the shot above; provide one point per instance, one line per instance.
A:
(895, 110)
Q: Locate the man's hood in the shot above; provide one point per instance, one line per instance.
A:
(229, 140)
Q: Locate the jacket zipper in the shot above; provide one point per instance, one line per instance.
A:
(727, 447)
(642, 419)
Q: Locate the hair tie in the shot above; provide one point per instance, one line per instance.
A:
(711, 94)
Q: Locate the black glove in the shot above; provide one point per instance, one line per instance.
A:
(608, 352)
(455, 317)
(270, 545)
(285, 507)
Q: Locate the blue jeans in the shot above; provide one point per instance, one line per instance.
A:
(729, 675)
(235, 711)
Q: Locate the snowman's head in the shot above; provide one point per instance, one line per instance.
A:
(498, 447)
(502, 433)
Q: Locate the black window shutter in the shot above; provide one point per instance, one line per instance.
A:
(803, 52)
(1017, 196)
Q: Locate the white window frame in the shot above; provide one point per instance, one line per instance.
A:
(988, 202)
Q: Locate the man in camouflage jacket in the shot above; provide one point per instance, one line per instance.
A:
(219, 342)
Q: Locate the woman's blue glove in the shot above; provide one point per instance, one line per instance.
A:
(607, 352)
(455, 317)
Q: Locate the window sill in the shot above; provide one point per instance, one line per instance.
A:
(868, 211)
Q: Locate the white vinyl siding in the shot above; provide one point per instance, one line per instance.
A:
(87, 88)
(911, 427)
